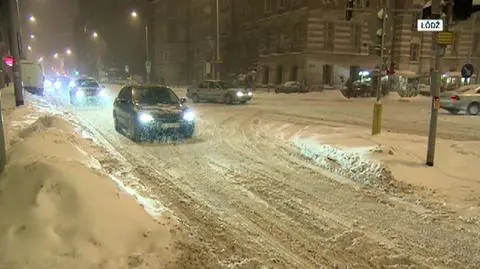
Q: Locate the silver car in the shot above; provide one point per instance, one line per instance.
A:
(465, 98)
(86, 90)
(219, 91)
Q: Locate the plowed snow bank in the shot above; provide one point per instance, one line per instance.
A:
(57, 212)
(350, 165)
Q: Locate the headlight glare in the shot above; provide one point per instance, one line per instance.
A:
(57, 85)
(250, 93)
(80, 94)
(71, 84)
(189, 116)
(239, 94)
(102, 93)
(145, 118)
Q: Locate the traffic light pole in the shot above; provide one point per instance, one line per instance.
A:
(435, 89)
(15, 49)
(378, 106)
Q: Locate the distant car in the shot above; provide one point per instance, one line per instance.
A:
(86, 90)
(292, 86)
(219, 91)
(465, 98)
(56, 84)
(146, 112)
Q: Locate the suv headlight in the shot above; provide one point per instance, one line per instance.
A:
(102, 93)
(145, 118)
(249, 93)
(239, 94)
(188, 116)
(80, 93)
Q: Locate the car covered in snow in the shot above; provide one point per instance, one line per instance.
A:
(465, 98)
(150, 111)
(219, 91)
(87, 90)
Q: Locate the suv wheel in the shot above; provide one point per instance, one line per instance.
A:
(195, 98)
(227, 99)
(473, 109)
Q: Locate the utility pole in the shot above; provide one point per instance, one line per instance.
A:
(435, 80)
(15, 49)
(218, 59)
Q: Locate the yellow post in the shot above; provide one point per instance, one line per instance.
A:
(377, 117)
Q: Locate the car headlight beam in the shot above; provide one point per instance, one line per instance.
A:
(189, 116)
(239, 94)
(145, 118)
(250, 93)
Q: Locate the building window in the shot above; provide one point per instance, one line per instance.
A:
(356, 38)
(327, 74)
(476, 42)
(329, 35)
(415, 17)
(279, 75)
(296, 36)
(414, 51)
(266, 75)
(294, 73)
(456, 44)
(268, 5)
(281, 4)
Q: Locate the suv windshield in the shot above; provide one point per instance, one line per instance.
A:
(87, 83)
(154, 95)
(225, 85)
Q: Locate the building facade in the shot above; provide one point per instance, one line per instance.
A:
(306, 40)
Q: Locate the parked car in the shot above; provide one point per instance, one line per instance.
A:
(465, 98)
(86, 90)
(32, 76)
(219, 91)
(292, 86)
(145, 112)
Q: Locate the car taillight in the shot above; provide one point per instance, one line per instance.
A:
(454, 98)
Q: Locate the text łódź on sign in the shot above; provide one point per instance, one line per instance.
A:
(429, 25)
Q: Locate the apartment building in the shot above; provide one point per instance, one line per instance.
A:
(309, 40)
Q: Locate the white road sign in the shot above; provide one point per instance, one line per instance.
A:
(148, 66)
(430, 25)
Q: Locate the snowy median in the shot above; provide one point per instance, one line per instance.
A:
(60, 210)
(349, 164)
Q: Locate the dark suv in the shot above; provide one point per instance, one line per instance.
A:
(147, 112)
(86, 91)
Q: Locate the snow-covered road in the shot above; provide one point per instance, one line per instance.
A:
(254, 200)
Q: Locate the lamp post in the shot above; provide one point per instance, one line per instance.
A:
(148, 63)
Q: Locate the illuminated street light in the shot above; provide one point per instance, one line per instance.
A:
(29, 48)
(68, 51)
(32, 36)
(32, 18)
(134, 14)
(40, 59)
(55, 55)
(95, 35)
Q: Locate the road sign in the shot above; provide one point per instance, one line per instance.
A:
(127, 69)
(148, 66)
(445, 38)
(430, 25)
(467, 70)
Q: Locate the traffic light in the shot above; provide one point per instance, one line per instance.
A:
(349, 11)
(461, 10)
(381, 24)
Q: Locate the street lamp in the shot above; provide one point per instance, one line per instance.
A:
(68, 51)
(32, 36)
(148, 64)
(55, 55)
(32, 18)
(29, 48)
(40, 59)
(95, 35)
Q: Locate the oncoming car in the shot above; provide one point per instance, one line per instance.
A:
(219, 91)
(86, 91)
(150, 111)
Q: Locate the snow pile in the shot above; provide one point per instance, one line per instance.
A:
(334, 94)
(58, 212)
(349, 164)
